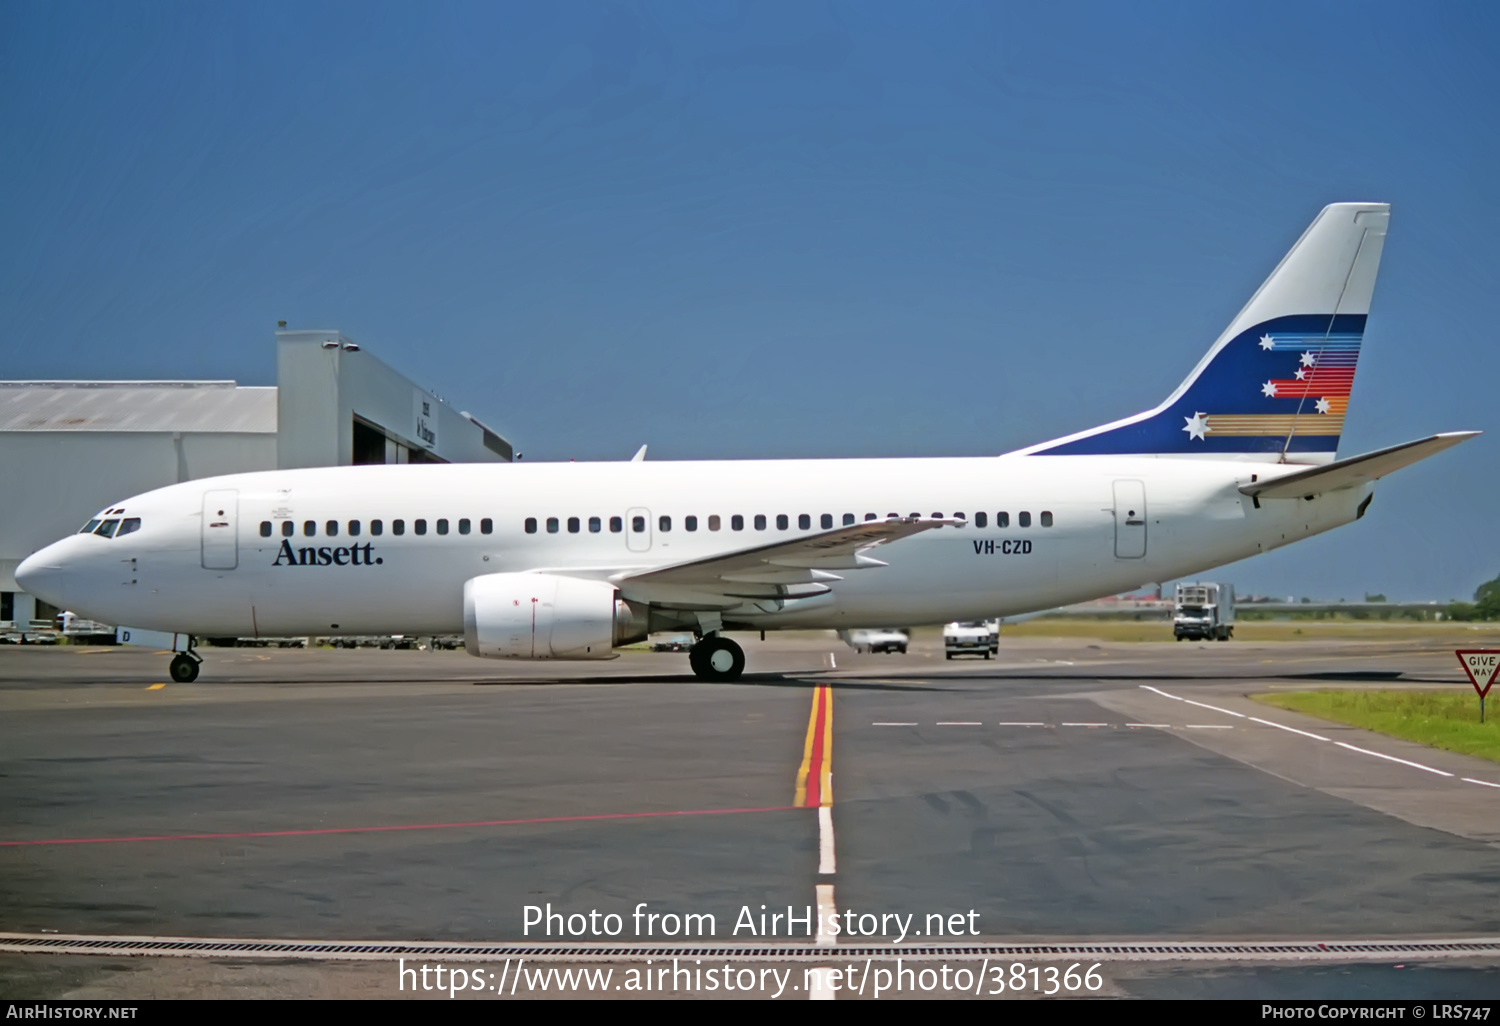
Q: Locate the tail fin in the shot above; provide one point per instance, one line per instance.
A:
(1275, 386)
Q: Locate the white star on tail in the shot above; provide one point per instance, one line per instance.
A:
(1308, 359)
(1266, 342)
(1302, 375)
(1268, 389)
(1197, 424)
(1323, 406)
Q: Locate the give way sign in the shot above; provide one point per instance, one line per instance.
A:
(1481, 666)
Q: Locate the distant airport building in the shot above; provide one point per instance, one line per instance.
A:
(69, 448)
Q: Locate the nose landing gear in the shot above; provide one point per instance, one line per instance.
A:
(716, 658)
(184, 667)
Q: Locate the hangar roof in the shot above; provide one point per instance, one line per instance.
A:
(187, 406)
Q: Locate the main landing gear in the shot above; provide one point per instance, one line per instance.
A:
(184, 666)
(716, 658)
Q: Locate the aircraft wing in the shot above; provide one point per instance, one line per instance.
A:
(1356, 470)
(767, 571)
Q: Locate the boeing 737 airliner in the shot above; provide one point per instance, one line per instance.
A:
(571, 560)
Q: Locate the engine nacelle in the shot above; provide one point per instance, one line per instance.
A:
(546, 616)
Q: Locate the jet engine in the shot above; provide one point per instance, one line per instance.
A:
(546, 616)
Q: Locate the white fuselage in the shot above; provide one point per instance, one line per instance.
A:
(193, 569)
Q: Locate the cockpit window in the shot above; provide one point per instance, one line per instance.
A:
(88, 528)
(107, 529)
(128, 526)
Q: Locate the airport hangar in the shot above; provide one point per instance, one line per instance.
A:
(69, 448)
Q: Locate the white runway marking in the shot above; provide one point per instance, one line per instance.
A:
(1163, 726)
(1019, 724)
(825, 840)
(826, 910)
(1209, 726)
(1305, 733)
(893, 724)
(1085, 724)
(1294, 730)
(1481, 783)
(959, 723)
(819, 989)
(1392, 758)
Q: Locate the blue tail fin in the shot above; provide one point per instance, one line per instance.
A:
(1276, 384)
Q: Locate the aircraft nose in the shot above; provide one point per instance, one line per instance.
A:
(42, 574)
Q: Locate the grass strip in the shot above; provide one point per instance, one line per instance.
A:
(1442, 719)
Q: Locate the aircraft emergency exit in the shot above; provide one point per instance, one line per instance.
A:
(572, 560)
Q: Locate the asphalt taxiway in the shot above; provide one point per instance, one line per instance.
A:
(1068, 789)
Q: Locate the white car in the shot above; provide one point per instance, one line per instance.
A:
(877, 640)
(970, 637)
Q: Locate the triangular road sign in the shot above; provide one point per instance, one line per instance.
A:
(1481, 666)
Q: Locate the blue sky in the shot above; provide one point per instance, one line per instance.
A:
(761, 229)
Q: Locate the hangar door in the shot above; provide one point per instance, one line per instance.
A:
(221, 514)
(1130, 519)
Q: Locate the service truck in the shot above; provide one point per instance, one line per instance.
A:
(1203, 611)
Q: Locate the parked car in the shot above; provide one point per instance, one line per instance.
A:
(877, 639)
(970, 637)
(672, 642)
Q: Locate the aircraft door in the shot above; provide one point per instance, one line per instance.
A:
(638, 530)
(1130, 519)
(221, 514)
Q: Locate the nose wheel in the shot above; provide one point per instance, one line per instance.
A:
(716, 658)
(184, 667)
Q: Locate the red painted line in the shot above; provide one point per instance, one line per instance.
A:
(384, 829)
(815, 764)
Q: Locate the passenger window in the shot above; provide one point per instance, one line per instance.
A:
(638, 525)
(616, 525)
(265, 529)
(377, 528)
(332, 528)
(595, 525)
(1046, 518)
(664, 523)
(108, 528)
(398, 526)
(935, 516)
(463, 526)
(826, 521)
(848, 519)
(574, 525)
(804, 521)
(981, 520)
(869, 516)
(288, 528)
(1023, 518)
(893, 516)
(88, 528)
(553, 525)
(442, 527)
(1002, 519)
(354, 528)
(531, 525)
(760, 521)
(128, 526)
(713, 522)
(309, 528)
(690, 523)
(486, 526)
(736, 523)
(419, 527)
(782, 522)
(959, 516)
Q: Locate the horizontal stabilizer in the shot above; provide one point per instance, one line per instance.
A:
(1356, 470)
